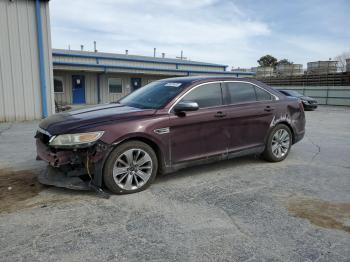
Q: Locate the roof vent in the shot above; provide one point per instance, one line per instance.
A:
(182, 56)
(95, 49)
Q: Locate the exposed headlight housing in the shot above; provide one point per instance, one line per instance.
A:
(76, 140)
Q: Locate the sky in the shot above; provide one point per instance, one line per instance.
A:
(230, 32)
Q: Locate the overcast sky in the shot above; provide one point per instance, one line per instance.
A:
(234, 33)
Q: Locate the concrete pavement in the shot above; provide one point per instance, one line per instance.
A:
(239, 210)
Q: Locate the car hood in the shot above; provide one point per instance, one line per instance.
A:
(67, 122)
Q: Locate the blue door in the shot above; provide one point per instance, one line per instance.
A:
(78, 88)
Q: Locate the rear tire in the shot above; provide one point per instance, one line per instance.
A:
(278, 143)
(131, 167)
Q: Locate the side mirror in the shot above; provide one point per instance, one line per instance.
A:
(185, 106)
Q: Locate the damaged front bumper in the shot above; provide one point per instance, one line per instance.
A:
(79, 169)
(55, 177)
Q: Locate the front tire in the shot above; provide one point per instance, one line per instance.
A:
(278, 143)
(130, 168)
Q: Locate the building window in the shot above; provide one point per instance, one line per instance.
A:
(58, 85)
(115, 85)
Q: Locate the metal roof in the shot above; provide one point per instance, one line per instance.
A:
(135, 58)
(106, 66)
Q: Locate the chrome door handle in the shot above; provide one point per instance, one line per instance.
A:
(220, 114)
(269, 109)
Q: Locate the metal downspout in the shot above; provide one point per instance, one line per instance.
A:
(98, 88)
(41, 58)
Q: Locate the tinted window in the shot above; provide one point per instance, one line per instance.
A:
(58, 84)
(283, 92)
(206, 96)
(154, 95)
(262, 95)
(240, 92)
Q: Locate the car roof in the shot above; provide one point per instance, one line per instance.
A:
(191, 80)
(195, 79)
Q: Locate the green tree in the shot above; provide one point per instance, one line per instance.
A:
(284, 61)
(267, 60)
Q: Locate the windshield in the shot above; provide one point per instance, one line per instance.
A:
(292, 93)
(155, 95)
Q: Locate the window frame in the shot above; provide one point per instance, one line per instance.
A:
(60, 78)
(115, 93)
(272, 97)
(203, 84)
(177, 100)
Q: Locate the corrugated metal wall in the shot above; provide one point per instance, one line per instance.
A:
(107, 97)
(91, 86)
(19, 61)
(140, 64)
(66, 96)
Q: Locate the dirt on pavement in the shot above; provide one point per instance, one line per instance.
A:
(322, 213)
(16, 187)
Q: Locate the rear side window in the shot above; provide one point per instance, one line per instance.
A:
(206, 95)
(262, 95)
(239, 93)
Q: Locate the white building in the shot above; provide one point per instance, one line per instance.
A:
(26, 76)
(82, 77)
(33, 76)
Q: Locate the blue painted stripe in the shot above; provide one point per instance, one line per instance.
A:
(57, 53)
(41, 58)
(105, 66)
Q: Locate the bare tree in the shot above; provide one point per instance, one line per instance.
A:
(342, 60)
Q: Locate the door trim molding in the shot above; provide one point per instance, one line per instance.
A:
(257, 149)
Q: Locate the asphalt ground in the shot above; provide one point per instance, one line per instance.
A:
(244, 209)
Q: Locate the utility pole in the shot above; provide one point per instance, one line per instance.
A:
(182, 56)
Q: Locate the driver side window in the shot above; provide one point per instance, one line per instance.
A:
(208, 95)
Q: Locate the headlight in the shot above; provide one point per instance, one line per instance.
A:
(305, 101)
(80, 140)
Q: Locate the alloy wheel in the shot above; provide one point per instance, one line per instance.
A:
(280, 143)
(132, 169)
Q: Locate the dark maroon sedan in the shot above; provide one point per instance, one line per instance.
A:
(164, 126)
